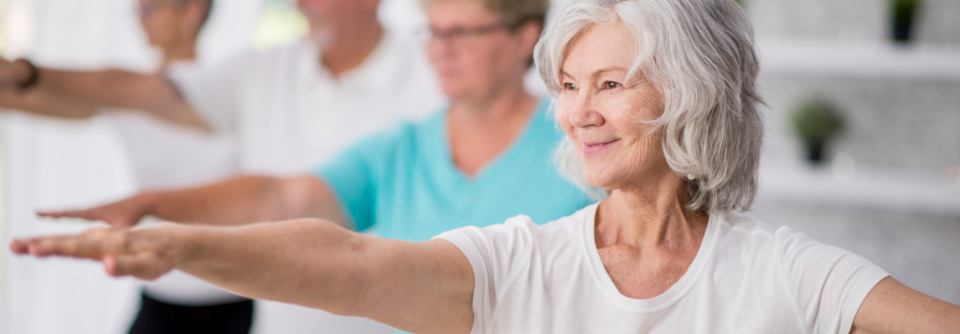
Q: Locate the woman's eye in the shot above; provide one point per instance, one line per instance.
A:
(611, 85)
(569, 86)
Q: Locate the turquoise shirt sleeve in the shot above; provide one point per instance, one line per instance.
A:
(355, 174)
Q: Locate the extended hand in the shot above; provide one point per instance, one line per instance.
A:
(12, 73)
(125, 213)
(143, 253)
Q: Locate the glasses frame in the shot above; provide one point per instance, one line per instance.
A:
(461, 35)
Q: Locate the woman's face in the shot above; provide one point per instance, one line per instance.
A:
(472, 52)
(603, 111)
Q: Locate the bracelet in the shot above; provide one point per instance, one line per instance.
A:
(33, 78)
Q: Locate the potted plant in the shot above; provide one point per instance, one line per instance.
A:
(817, 122)
(903, 15)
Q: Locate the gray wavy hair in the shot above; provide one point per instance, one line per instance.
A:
(700, 56)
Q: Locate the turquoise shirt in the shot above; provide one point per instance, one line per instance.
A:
(404, 181)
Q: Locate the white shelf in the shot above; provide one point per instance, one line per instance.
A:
(862, 191)
(865, 60)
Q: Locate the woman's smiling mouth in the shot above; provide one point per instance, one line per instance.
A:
(594, 147)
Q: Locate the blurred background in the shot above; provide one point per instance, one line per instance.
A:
(862, 148)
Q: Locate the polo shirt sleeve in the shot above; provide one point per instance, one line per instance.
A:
(356, 174)
(213, 91)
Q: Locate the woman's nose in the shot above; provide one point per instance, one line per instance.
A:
(585, 114)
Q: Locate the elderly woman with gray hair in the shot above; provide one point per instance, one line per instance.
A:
(658, 100)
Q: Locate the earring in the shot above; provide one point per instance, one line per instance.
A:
(691, 177)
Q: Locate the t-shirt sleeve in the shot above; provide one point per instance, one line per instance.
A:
(213, 91)
(497, 253)
(828, 283)
(355, 174)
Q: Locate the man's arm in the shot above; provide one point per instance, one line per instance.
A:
(59, 93)
(892, 307)
(420, 287)
(235, 201)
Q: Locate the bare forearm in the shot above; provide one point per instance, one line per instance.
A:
(423, 287)
(305, 262)
(246, 199)
(58, 92)
(36, 101)
(235, 201)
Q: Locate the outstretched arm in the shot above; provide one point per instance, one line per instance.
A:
(892, 307)
(235, 201)
(422, 287)
(78, 94)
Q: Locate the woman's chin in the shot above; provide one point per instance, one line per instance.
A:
(599, 181)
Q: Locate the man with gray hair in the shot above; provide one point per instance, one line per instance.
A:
(287, 109)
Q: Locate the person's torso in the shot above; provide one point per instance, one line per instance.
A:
(422, 193)
(166, 155)
(294, 115)
(733, 286)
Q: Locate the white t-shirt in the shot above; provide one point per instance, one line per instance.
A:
(747, 277)
(289, 115)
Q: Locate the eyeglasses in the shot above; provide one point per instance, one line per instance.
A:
(151, 7)
(461, 37)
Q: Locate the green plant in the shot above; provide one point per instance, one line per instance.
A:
(817, 122)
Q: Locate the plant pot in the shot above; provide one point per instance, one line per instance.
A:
(904, 15)
(814, 152)
(902, 29)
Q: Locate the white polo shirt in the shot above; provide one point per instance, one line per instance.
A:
(289, 114)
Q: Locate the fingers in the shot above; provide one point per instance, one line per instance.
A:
(141, 265)
(122, 251)
(112, 215)
(79, 246)
(90, 214)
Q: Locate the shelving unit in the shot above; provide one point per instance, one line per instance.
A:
(898, 205)
(881, 61)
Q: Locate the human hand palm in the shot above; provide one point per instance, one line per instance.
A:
(143, 253)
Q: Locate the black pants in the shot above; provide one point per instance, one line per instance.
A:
(157, 317)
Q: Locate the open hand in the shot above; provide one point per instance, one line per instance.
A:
(144, 253)
(125, 213)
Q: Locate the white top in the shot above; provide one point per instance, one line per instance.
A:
(748, 277)
(290, 114)
(166, 155)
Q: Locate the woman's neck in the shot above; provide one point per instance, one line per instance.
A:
(479, 130)
(185, 50)
(651, 214)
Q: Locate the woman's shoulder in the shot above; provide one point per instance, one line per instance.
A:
(522, 233)
(742, 226)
